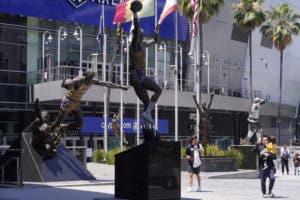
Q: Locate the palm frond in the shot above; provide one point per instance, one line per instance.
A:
(281, 24)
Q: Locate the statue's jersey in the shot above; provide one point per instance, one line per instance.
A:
(71, 100)
(254, 114)
(137, 57)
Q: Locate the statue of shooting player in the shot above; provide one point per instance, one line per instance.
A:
(254, 127)
(137, 52)
(76, 88)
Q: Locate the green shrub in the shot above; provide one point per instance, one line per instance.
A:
(214, 150)
(110, 155)
(183, 152)
(237, 154)
(98, 155)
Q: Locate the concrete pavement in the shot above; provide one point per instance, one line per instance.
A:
(286, 187)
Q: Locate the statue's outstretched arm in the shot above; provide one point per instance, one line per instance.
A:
(37, 110)
(155, 39)
(210, 101)
(109, 84)
(264, 100)
(135, 39)
(197, 105)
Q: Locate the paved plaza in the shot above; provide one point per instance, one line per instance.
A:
(286, 187)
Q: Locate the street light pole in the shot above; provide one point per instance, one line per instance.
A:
(206, 55)
(59, 38)
(121, 93)
(79, 37)
(180, 52)
(163, 46)
(49, 38)
(105, 115)
(176, 77)
(127, 59)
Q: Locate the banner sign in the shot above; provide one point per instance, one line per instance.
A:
(88, 12)
(96, 125)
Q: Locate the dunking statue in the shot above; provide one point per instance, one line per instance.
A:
(137, 52)
(43, 140)
(254, 127)
(204, 118)
(76, 88)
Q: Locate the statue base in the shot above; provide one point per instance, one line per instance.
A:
(250, 161)
(149, 171)
(62, 167)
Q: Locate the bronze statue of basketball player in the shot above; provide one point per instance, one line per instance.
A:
(76, 88)
(137, 53)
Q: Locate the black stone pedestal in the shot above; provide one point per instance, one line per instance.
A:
(149, 171)
(63, 167)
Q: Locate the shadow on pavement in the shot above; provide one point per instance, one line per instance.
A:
(55, 193)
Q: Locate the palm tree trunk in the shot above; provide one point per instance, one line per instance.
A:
(250, 60)
(280, 94)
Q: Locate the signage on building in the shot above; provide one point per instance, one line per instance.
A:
(88, 12)
(79, 3)
(96, 125)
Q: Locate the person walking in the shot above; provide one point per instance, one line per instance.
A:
(193, 154)
(284, 156)
(296, 161)
(270, 170)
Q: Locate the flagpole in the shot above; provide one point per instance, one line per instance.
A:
(104, 79)
(121, 93)
(155, 70)
(176, 77)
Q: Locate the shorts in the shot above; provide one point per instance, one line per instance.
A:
(194, 170)
(137, 77)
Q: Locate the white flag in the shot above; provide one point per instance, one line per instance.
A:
(170, 6)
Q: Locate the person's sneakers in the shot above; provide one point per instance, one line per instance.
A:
(148, 117)
(189, 189)
(271, 195)
(198, 189)
(265, 196)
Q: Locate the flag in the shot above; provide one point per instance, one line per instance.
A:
(124, 14)
(195, 4)
(101, 30)
(170, 6)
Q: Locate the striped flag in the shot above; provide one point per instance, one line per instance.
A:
(101, 30)
(170, 6)
(195, 4)
(124, 14)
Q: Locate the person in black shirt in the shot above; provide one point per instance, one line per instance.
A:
(270, 170)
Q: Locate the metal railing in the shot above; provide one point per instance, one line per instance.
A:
(69, 72)
(19, 176)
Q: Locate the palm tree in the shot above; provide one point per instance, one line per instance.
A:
(249, 14)
(207, 9)
(281, 23)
